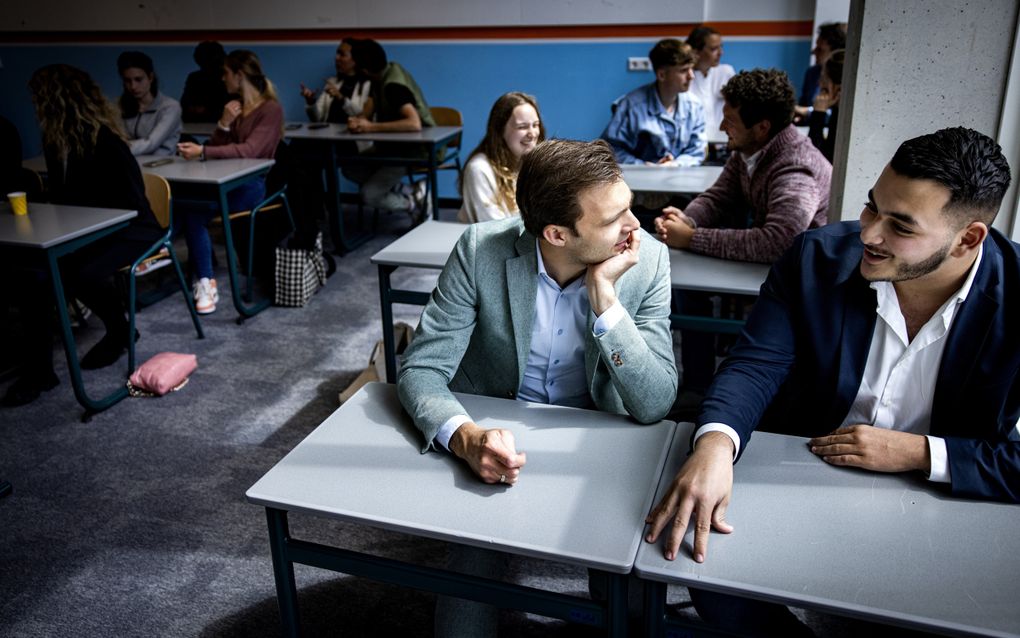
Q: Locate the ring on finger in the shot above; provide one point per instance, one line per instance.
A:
(502, 478)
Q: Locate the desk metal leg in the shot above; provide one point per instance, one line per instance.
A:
(654, 608)
(386, 307)
(92, 406)
(616, 606)
(341, 242)
(283, 570)
(245, 310)
(5, 488)
(434, 181)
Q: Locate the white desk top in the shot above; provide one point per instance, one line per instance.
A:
(214, 171)
(670, 179)
(48, 225)
(427, 245)
(430, 244)
(883, 547)
(691, 271)
(338, 132)
(582, 496)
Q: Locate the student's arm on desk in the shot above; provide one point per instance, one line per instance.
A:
(700, 492)
(410, 122)
(637, 350)
(713, 206)
(793, 201)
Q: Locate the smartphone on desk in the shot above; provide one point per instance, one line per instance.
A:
(163, 161)
(317, 125)
(292, 127)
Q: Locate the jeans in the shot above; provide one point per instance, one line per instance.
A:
(193, 217)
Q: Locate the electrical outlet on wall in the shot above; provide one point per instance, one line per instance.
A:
(639, 64)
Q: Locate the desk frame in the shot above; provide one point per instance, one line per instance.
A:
(287, 551)
(246, 308)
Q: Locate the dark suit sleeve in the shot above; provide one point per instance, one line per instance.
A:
(763, 356)
(985, 469)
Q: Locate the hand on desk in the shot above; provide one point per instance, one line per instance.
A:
(874, 448)
(491, 454)
(702, 487)
(190, 151)
(358, 124)
(674, 228)
(665, 160)
(600, 279)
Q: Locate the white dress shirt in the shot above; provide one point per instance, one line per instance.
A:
(708, 89)
(554, 372)
(898, 385)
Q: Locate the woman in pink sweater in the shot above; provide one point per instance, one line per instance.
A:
(251, 127)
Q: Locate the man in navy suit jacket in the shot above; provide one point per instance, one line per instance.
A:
(927, 382)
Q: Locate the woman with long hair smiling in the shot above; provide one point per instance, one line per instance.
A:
(490, 175)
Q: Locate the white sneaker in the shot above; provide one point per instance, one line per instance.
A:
(421, 203)
(206, 296)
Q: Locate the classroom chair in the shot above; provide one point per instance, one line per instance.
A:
(157, 191)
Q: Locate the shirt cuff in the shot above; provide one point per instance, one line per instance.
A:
(447, 429)
(608, 319)
(939, 470)
(719, 427)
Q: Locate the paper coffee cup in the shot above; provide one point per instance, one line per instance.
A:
(19, 203)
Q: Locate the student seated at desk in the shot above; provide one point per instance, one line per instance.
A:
(567, 304)
(774, 186)
(88, 164)
(399, 106)
(204, 93)
(831, 37)
(490, 176)
(345, 94)
(892, 341)
(661, 122)
(709, 75)
(152, 120)
(824, 117)
(251, 127)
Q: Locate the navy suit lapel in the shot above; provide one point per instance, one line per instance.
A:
(971, 326)
(522, 286)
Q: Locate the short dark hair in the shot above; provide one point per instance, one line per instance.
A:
(833, 68)
(762, 94)
(834, 33)
(369, 56)
(670, 52)
(554, 174)
(209, 55)
(970, 164)
(696, 38)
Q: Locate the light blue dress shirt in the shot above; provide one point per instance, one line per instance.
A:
(554, 372)
(641, 130)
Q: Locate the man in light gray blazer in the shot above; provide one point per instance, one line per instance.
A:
(567, 305)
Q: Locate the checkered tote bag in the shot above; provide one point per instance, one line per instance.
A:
(299, 274)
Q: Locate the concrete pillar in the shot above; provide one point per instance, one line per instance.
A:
(913, 68)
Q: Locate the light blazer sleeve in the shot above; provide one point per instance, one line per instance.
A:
(637, 353)
(440, 341)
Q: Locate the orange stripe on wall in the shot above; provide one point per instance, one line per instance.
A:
(760, 29)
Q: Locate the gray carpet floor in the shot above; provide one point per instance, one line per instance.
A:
(135, 523)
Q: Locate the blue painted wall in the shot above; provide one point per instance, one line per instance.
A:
(574, 81)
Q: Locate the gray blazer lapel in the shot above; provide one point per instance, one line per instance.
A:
(522, 287)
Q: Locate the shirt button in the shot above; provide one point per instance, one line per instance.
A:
(552, 383)
(885, 402)
(560, 331)
(556, 361)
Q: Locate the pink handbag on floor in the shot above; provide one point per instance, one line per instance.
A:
(163, 373)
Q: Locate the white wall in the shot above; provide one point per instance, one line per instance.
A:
(913, 68)
(117, 15)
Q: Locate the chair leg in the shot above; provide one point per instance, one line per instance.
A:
(132, 306)
(184, 290)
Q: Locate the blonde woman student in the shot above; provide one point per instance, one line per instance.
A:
(490, 175)
(251, 127)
